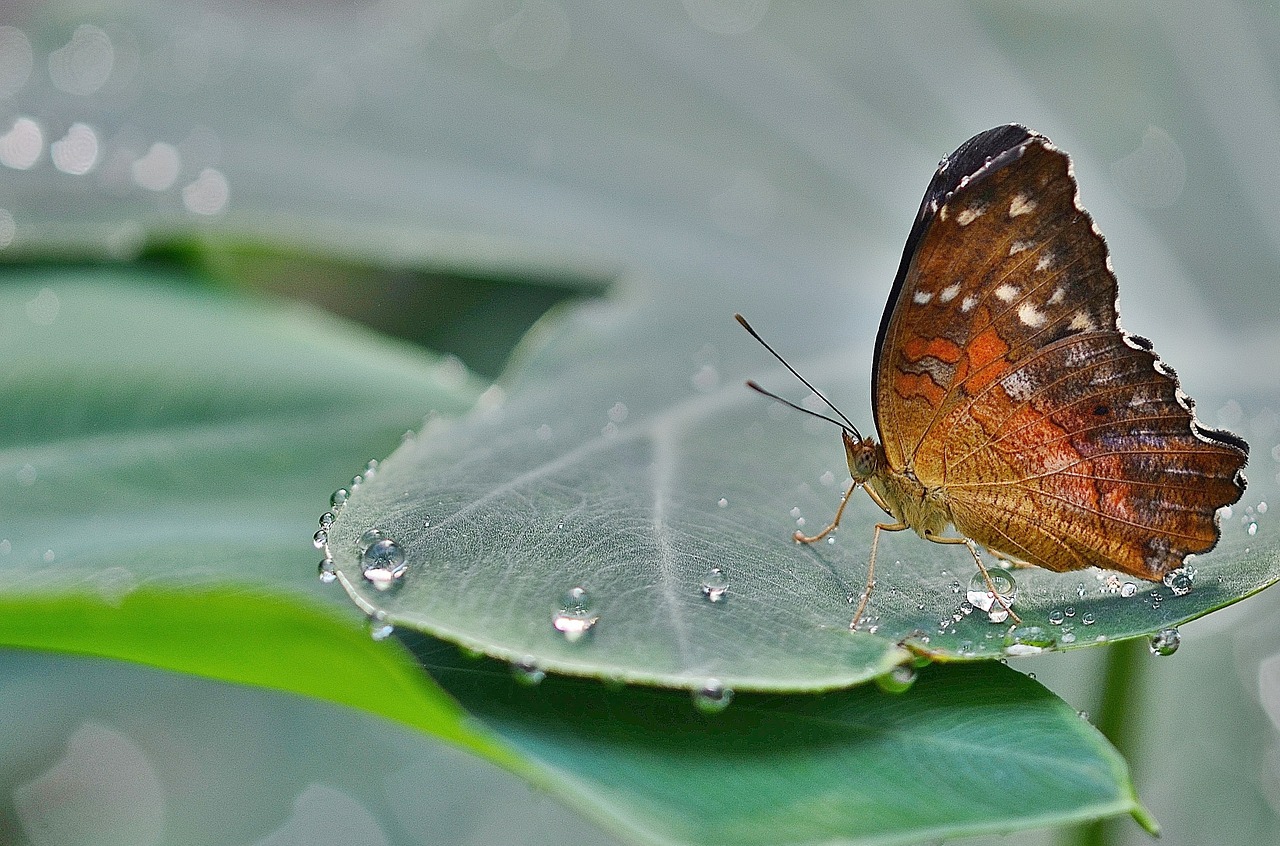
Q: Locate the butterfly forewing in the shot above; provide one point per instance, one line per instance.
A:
(1003, 380)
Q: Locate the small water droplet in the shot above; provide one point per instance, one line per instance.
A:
(575, 616)
(1056, 617)
(1165, 641)
(356, 481)
(1252, 528)
(1068, 637)
(1080, 590)
(527, 672)
(339, 497)
(328, 571)
(618, 412)
(1070, 611)
(800, 521)
(380, 628)
(966, 647)
(1225, 512)
(1087, 619)
(715, 584)
(713, 697)
(1031, 676)
(897, 680)
(705, 378)
(1262, 507)
(723, 503)
(1084, 715)
(1179, 581)
(371, 469)
(320, 538)
(795, 511)
(966, 607)
(383, 564)
(1128, 589)
(326, 519)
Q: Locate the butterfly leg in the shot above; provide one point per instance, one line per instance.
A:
(871, 568)
(986, 577)
(801, 537)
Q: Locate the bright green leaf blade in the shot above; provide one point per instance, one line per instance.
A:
(966, 750)
(620, 464)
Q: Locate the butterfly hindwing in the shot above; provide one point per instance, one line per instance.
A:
(1003, 379)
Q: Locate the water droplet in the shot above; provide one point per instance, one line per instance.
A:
(1252, 528)
(1080, 590)
(827, 479)
(897, 680)
(1087, 619)
(371, 469)
(356, 481)
(383, 564)
(1070, 611)
(713, 697)
(326, 519)
(1165, 641)
(705, 378)
(320, 538)
(1068, 637)
(966, 607)
(1262, 507)
(527, 672)
(795, 511)
(723, 503)
(715, 584)
(1179, 581)
(1084, 715)
(380, 627)
(966, 647)
(1128, 589)
(618, 412)
(339, 497)
(800, 521)
(1031, 676)
(1225, 512)
(1027, 640)
(1056, 617)
(831, 539)
(575, 616)
(369, 538)
(979, 596)
(328, 571)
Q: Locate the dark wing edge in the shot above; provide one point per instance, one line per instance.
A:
(983, 153)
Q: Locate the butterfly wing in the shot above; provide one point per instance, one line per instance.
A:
(1003, 378)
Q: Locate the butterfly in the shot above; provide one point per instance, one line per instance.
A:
(1010, 404)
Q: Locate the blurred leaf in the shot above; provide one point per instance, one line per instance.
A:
(620, 465)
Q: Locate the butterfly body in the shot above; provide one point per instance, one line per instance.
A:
(1010, 404)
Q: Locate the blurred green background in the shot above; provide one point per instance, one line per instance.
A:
(446, 172)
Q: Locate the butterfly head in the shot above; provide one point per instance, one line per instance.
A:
(865, 456)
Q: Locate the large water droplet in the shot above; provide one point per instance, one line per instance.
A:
(715, 584)
(339, 497)
(980, 596)
(1087, 619)
(383, 564)
(320, 539)
(713, 697)
(1128, 589)
(326, 519)
(1179, 581)
(328, 571)
(1165, 641)
(897, 680)
(1056, 617)
(575, 617)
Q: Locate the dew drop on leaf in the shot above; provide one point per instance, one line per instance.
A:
(715, 584)
(1165, 641)
(713, 697)
(575, 617)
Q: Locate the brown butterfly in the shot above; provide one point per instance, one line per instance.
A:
(1009, 402)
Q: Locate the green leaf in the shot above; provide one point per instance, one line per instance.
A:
(622, 465)
(966, 750)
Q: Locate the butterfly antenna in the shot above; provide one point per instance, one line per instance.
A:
(847, 424)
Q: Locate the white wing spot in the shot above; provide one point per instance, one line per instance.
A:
(943, 212)
(969, 215)
(1022, 204)
(1020, 246)
(1045, 261)
(1030, 315)
(1058, 296)
(1018, 386)
(1081, 322)
(922, 297)
(1006, 293)
(948, 293)
(968, 302)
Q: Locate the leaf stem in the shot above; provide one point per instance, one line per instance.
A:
(1118, 715)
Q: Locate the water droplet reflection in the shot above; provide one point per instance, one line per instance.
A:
(1165, 641)
(715, 584)
(897, 680)
(575, 617)
(713, 697)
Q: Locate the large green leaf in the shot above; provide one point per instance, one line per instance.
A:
(621, 465)
(159, 476)
(967, 749)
